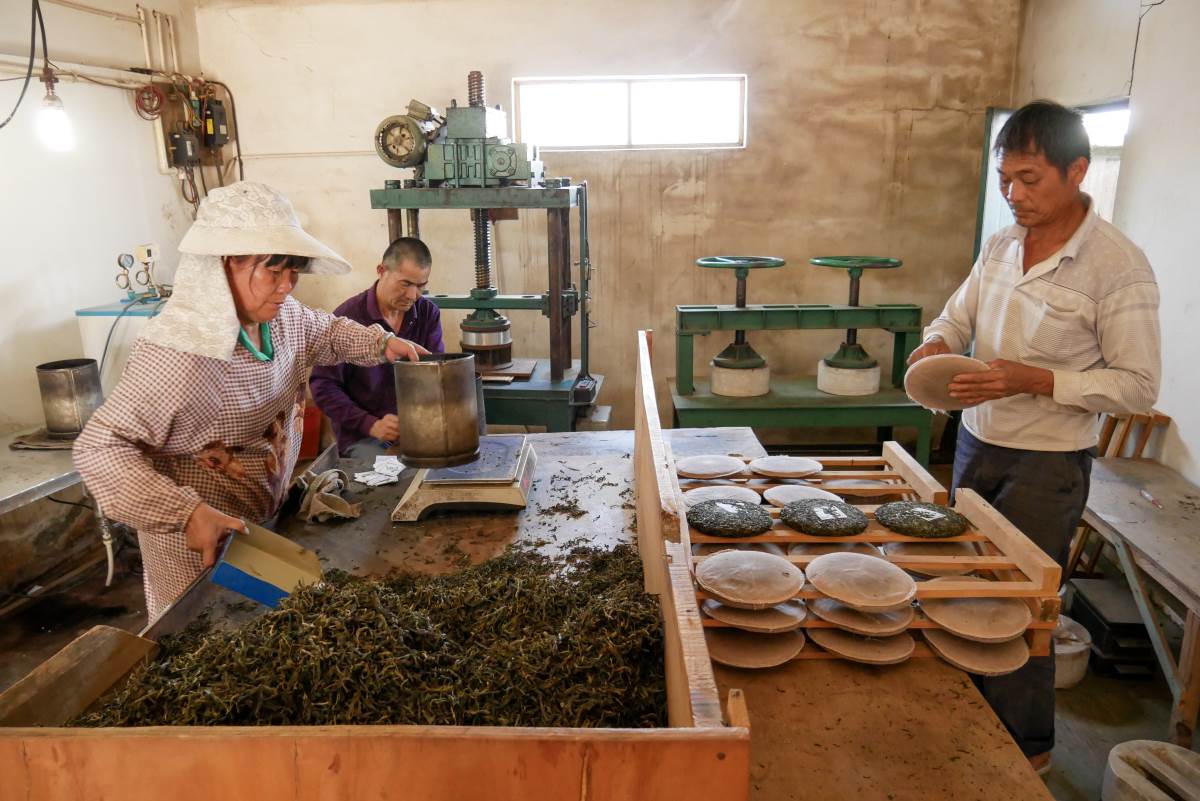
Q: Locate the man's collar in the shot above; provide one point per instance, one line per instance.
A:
(376, 313)
(373, 302)
(1070, 250)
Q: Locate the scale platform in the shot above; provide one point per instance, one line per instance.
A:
(499, 479)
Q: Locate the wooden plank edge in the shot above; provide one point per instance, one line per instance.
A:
(914, 474)
(1011, 542)
(703, 699)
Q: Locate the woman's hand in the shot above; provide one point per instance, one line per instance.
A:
(398, 349)
(207, 529)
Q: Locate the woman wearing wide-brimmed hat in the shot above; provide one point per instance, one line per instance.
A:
(203, 428)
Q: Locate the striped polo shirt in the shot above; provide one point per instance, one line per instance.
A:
(1089, 313)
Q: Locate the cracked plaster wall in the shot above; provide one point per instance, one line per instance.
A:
(865, 127)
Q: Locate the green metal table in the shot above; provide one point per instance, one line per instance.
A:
(796, 402)
(540, 401)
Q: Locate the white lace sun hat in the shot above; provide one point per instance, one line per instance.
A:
(249, 218)
(244, 219)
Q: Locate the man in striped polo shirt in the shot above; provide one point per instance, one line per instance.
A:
(1064, 309)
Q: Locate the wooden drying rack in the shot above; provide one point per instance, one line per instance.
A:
(1020, 568)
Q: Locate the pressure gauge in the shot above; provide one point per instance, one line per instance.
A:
(400, 141)
(125, 261)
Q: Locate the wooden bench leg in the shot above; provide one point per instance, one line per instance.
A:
(1187, 706)
(1082, 534)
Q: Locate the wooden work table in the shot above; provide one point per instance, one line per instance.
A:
(1165, 544)
(821, 730)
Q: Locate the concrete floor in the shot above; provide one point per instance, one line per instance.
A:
(1094, 716)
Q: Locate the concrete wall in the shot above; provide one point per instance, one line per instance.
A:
(1156, 202)
(66, 216)
(865, 127)
(1075, 51)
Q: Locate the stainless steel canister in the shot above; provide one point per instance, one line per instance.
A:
(436, 402)
(70, 393)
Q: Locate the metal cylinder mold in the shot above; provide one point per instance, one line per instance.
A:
(70, 393)
(437, 403)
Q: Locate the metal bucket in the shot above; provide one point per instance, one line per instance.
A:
(70, 393)
(436, 402)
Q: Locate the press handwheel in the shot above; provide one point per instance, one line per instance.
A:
(851, 370)
(738, 371)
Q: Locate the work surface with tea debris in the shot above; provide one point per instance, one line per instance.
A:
(582, 492)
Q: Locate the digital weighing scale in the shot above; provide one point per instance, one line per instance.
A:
(499, 479)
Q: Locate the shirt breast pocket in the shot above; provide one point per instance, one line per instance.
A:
(1065, 333)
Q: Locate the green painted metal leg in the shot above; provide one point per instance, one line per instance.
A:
(684, 384)
(903, 344)
(924, 433)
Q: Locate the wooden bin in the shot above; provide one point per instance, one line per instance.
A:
(701, 755)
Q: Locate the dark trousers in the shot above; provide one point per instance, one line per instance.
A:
(1042, 493)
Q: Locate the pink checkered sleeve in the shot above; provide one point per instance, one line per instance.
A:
(112, 453)
(334, 340)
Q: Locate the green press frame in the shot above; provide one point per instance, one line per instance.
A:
(556, 392)
(808, 407)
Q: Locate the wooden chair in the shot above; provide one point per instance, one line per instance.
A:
(1115, 433)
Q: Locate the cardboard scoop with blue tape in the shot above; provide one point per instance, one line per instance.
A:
(264, 566)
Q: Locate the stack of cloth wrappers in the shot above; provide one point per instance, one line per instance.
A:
(386, 471)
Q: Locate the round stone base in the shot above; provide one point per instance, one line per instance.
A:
(841, 381)
(741, 383)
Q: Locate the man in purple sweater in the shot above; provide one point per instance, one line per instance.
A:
(361, 401)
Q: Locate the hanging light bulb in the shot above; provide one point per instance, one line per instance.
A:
(53, 124)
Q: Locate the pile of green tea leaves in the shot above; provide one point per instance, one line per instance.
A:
(520, 640)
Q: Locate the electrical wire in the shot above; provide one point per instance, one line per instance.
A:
(1146, 9)
(87, 506)
(187, 185)
(36, 11)
(113, 327)
(237, 130)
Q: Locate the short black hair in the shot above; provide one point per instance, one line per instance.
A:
(286, 261)
(1046, 127)
(407, 248)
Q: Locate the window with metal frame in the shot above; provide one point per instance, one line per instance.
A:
(631, 112)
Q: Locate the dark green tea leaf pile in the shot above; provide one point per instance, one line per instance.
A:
(520, 640)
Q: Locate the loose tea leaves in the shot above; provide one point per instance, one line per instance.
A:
(520, 640)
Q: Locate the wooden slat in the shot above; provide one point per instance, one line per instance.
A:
(1106, 431)
(852, 461)
(914, 475)
(943, 589)
(739, 715)
(692, 698)
(915, 562)
(874, 533)
(1032, 560)
(654, 480)
(67, 683)
(1183, 786)
(350, 763)
(920, 651)
(813, 622)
